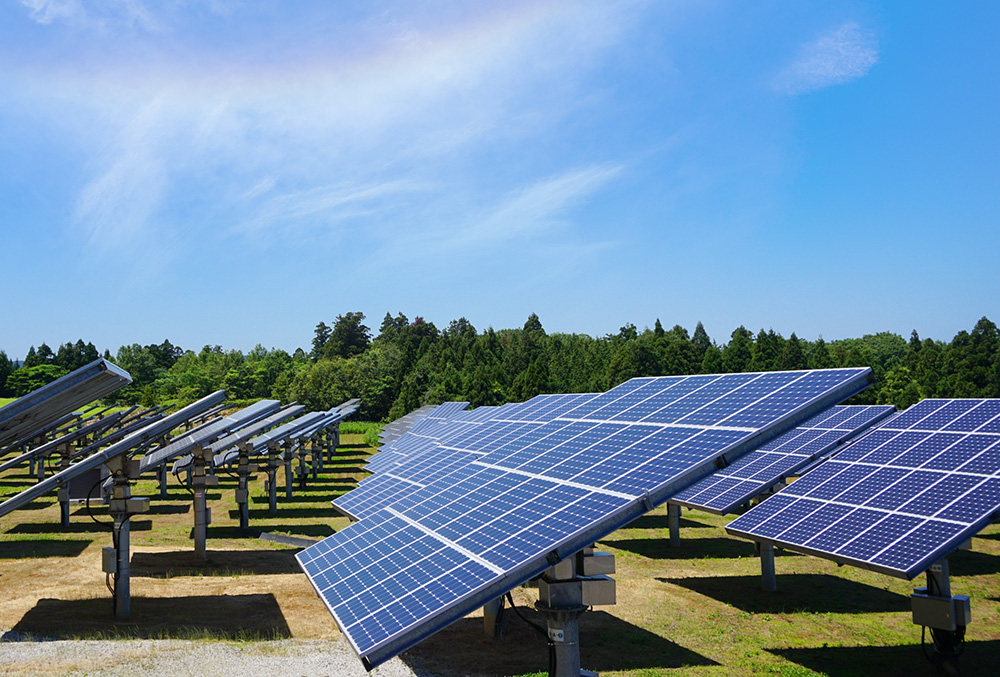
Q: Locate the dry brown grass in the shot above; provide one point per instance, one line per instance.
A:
(693, 610)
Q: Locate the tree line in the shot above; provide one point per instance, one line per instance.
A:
(410, 363)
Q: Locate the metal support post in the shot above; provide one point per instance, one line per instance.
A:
(301, 468)
(122, 506)
(491, 616)
(944, 615)
(565, 591)
(769, 581)
(674, 520)
(242, 489)
(273, 449)
(288, 469)
(315, 455)
(63, 493)
(200, 480)
(162, 472)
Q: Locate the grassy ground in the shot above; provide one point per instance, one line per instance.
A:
(693, 610)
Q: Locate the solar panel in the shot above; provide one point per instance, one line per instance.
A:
(209, 433)
(756, 472)
(390, 431)
(440, 552)
(900, 498)
(144, 435)
(25, 416)
(460, 440)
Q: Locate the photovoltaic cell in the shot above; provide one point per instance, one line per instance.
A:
(492, 524)
(760, 470)
(420, 457)
(899, 498)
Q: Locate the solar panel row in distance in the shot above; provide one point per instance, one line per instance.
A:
(900, 498)
(440, 552)
(27, 415)
(753, 474)
(461, 440)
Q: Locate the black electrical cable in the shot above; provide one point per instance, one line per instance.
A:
(91, 512)
(540, 630)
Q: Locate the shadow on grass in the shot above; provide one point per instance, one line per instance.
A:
(663, 522)
(979, 658)
(290, 513)
(796, 593)
(692, 548)
(166, 509)
(82, 527)
(973, 563)
(326, 495)
(312, 530)
(43, 548)
(607, 644)
(219, 563)
(240, 617)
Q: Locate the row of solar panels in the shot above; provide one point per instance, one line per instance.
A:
(38, 413)
(464, 505)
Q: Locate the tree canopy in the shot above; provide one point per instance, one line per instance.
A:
(411, 363)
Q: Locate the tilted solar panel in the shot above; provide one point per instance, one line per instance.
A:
(440, 552)
(423, 457)
(31, 413)
(726, 489)
(900, 498)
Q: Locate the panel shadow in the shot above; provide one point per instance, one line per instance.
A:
(796, 593)
(243, 617)
(607, 643)
(663, 522)
(309, 530)
(43, 548)
(973, 563)
(82, 527)
(220, 563)
(979, 658)
(693, 548)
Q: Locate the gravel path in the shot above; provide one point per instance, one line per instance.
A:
(127, 658)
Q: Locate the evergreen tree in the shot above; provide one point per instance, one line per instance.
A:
(31, 359)
(320, 337)
(793, 357)
(6, 369)
(819, 357)
(658, 329)
(737, 355)
(45, 354)
(700, 341)
(348, 337)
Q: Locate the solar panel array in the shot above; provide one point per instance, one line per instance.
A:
(28, 415)
(900, 498)
(209, 432)
(422, 456)
(440, 552)
(391, 431)
(758, 471)
(129, 444)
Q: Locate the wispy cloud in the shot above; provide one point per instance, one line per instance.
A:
(96, 14)
(846, 54)
(537, 208)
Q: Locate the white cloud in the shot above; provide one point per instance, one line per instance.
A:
(97, 14)
(840, 56)
(47, 11)
(538, 207)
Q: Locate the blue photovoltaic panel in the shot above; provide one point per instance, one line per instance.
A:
(900, 498)
(439, 552)
(465, 437)
(756, 472)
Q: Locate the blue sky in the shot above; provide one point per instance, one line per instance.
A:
(234, 172)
